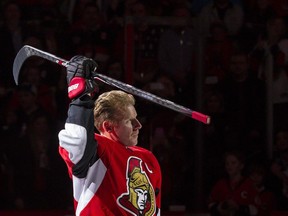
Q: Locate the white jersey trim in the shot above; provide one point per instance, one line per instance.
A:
(73, 139)
(87, 187)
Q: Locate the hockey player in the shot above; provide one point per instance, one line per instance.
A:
(110, 174)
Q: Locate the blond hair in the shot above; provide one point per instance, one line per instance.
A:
(111, 106)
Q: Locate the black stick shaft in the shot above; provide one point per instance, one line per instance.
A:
(27, 51)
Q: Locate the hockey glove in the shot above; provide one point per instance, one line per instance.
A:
(80, 73)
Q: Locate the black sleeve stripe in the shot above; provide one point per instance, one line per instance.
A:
(81, 113)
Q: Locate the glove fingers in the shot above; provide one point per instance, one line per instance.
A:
(80, 66)
(89, 67)
(93, 87)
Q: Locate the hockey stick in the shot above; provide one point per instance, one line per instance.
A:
(28, 51)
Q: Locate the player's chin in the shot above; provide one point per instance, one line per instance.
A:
(134, 140)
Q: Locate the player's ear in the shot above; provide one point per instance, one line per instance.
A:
(107, 126)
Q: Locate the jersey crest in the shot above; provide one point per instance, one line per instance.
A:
(139, 200)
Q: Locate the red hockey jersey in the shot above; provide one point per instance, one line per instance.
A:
(108, 177)
(122, 181)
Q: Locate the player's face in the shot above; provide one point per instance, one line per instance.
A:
(126, 131)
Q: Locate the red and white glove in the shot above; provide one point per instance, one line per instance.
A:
(80, 73)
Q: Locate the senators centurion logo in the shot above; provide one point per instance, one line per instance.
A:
(139, 200)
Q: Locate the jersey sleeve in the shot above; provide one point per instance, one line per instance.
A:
(77, 144)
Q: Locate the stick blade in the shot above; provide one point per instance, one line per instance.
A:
(20, 58)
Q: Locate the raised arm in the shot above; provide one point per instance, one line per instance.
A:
(78, 147)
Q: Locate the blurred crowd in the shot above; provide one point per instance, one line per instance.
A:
(235, 51)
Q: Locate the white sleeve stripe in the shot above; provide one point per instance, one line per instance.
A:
(85, 189)
(73, 139)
